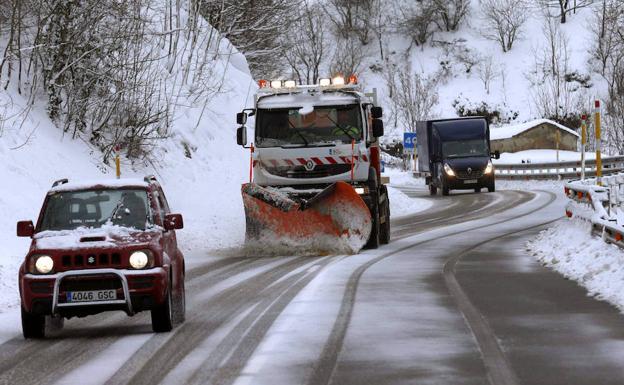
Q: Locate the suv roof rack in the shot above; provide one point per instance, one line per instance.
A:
(150, 179)
(60, 182)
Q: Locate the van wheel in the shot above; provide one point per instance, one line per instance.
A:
(492, 187)
(433, 190)
(33, 326)
(477, 189)
(445, 188)
(162, 315)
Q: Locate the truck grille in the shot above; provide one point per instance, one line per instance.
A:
(91, 260)
(320, 171)
(463, 174)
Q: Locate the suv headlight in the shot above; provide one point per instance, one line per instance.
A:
(41, 264)
(489, 168)
(141, 259)
(448, 170)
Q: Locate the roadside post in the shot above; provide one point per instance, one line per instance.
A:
(409, 144)
(117, 150)
(598, 142)
(583, 142)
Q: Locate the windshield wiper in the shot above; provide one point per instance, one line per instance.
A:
(341, 128)
(298, 133)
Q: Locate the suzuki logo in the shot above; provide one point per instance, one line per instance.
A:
(469, 170)
(91, 260)
(309, 165)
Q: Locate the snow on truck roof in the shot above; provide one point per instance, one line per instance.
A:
(506, 132)
(101, 183)
(301, 99)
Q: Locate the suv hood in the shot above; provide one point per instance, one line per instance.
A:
(105, 237)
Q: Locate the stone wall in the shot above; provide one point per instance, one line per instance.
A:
(542, 136)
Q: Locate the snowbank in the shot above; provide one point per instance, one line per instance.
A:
(568, 248)
(541, 156)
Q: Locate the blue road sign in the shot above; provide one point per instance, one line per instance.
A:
(409, 140)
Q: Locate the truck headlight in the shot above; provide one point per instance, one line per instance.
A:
(139, 259)
(489, 168)
(44, 264)
(448, 170)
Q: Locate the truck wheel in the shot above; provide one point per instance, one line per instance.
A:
(433, 190)
(162, 315)
(33, 326)
(492, 187)
(384, 236)
(477, 189)
(373, 240)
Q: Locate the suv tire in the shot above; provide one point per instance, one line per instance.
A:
(33, 325)
(162, 315)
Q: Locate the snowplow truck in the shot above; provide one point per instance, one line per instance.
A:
(315, 178)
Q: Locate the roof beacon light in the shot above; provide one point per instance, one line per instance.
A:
(262, 83)
(338, 81)
(276, 84)
(290, 84)
(325, 82)
(353, 79)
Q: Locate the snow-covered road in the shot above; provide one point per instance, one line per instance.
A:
(453, 299)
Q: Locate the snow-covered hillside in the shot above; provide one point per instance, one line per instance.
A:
(510, 91)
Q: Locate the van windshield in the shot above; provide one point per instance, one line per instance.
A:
(70, 210)
(465, 148)
(326, 125)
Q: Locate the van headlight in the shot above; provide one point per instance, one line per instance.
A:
(489, 168)
(44, 264)
(140, 259)
(448, 170)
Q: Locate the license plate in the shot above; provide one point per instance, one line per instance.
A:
(470, 181)
(91, 296)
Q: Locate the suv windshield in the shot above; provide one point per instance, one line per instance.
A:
(321, 126)
(93, 208)
(465, 148)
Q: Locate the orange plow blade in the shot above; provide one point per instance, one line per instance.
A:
(335, 219)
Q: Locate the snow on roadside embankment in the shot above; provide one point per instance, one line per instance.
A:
(199, 165)
(568, 248)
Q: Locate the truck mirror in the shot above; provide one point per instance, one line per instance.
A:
(25, 229)
(376, 112)
(378, 128)
(496, 154)
(241, 136)
(241, 118)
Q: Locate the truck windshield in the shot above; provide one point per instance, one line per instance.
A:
(320, 126)
(94, 208)
(464, 148)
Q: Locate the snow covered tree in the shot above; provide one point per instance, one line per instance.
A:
(414, 95)
(352, 18)
(451, 12)
(562, 8)
(503, 20)
(418, 20)
(303, 45)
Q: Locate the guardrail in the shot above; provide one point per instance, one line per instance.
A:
(557, 170)
(599, 205)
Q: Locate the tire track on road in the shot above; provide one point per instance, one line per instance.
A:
(328, 360)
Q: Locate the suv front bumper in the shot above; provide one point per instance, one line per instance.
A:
(139, 290)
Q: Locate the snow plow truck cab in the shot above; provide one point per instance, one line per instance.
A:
(315, 160)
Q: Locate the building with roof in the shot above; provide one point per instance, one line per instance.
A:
(536, 134)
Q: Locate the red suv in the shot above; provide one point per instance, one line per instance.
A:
(102, 246)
